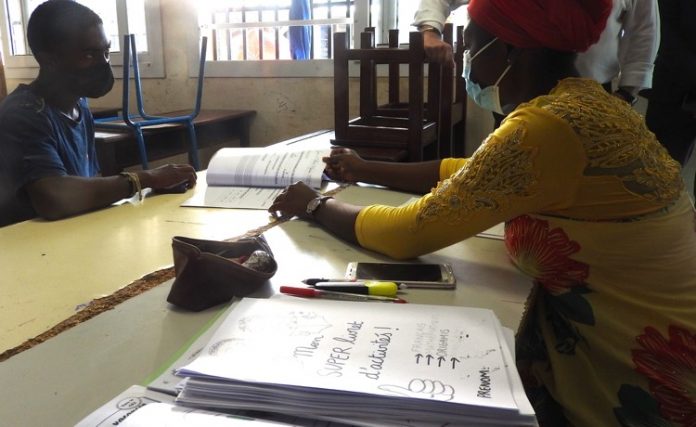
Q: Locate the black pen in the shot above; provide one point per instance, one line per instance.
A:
(316, 293)
(369, 287)
(314, 281)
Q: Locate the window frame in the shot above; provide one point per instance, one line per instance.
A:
(151, 63)
(275, 68)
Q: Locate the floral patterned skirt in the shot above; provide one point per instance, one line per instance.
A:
(609, 334)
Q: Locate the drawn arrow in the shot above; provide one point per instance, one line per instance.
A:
(454, 361)
(429, 357)
(440, 360)
(418, 357)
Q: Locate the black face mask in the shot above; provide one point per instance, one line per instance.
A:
(92, 82)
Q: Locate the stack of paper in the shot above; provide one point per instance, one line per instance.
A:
(360, 364)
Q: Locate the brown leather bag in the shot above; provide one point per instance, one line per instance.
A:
(207, 276)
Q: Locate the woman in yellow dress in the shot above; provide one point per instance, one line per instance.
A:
(595, 213)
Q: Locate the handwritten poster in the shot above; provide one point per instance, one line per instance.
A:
(437, 354)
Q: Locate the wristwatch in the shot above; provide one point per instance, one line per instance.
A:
(627, 96)
(315, 203)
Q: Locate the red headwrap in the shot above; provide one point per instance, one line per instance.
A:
(565, 25)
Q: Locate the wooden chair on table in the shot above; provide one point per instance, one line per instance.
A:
(446, 106)
(373, 133)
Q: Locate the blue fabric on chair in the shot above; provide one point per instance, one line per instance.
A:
(300, 36)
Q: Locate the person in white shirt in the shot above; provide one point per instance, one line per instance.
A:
(430, 20)
(626, 49)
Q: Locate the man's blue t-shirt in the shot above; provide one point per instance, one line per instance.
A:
(39, 141)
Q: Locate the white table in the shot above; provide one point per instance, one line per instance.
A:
(68, 376)
(49, 269)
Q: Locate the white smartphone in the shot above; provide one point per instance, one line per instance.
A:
(413, 275)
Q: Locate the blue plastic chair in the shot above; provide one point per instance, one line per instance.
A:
(136, 122)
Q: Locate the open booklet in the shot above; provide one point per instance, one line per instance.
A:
(251, 178)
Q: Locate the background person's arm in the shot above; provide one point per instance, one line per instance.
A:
(435, 12)
(430, 20)
(638, 46)
(61, 196)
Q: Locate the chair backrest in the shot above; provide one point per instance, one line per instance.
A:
(369, 105)
(369, 57)
(444, 90)
(130, 57)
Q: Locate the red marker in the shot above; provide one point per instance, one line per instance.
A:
(343, 296)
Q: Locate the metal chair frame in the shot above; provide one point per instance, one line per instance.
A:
(137, 122)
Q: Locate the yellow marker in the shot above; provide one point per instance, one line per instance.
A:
(369, 287)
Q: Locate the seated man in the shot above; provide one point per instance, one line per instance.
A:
(48, 163)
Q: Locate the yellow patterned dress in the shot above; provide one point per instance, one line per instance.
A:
(597, 215)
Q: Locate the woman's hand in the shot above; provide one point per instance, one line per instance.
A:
(344, 165)
(293, 201)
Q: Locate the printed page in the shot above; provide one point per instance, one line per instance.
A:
(443, 354)
(164, 414)
(262, 167)
(234, 197)
(123, 406)
(140, 407)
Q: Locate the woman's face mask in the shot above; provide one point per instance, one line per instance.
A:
(489, 97)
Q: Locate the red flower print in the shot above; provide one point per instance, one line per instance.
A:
(544, 254)
(670, 366)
